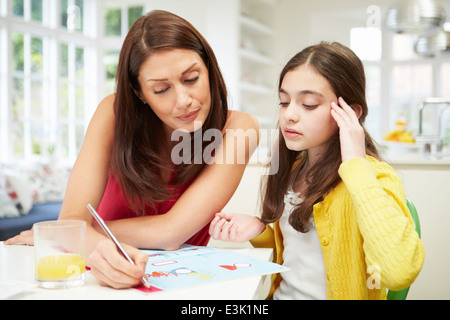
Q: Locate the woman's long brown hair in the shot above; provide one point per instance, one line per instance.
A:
(345, 73)
(138, 132)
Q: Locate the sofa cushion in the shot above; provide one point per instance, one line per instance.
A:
(7, 207)
(20, 191)
(39, 212)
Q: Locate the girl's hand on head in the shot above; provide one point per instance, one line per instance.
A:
(235, 227)
(351, 133)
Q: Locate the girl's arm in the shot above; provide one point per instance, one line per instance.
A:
(208, 194)
(391, 244)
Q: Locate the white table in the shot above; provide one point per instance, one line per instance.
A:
(17, 264)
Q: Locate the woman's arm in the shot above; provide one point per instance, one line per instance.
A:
(89, 174)
(87, 184)
(208, 194)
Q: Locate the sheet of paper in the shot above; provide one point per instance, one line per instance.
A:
(191, 266)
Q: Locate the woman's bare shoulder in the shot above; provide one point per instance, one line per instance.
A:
(107, 104)
(102, 121)
(241, 120)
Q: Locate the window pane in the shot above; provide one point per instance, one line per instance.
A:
(133, 14)
(63, 100)
(18, 54)
(72, 16)
(111, 60)
(79, 15)
(37, 138)
(113, 22)
(445, 80)
(403, 46)
(366, 43)
(64, 60)
(373, 94)
(17, 95)
(64, 5)
(36, 99)
(79, 63)
(63, 137)
(36, 10)
(79, 102)
(411, 84)
(445, 92)
(36, 55)
(79, 136)
(17, 8)
(446, 128)
(18, 140)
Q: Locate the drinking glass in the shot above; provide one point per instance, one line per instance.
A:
(60, 253)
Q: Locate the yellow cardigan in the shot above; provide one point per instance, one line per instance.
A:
(366, 234)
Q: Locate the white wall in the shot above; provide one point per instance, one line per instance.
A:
(429, 188)
(309, 22)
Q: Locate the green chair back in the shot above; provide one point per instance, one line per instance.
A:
(401, 294)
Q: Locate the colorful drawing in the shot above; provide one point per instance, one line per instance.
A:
(163, 263)
(237, 265)
(177, 272)
(193, 265)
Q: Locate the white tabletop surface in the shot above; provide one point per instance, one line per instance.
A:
(17, 274)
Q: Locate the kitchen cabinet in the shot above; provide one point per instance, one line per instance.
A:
(427, 184)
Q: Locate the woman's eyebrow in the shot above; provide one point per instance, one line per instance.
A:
(183, 73)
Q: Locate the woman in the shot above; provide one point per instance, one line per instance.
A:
(168, 80)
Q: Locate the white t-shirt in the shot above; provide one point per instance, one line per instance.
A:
(303, 255)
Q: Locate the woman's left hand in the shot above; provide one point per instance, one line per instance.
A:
(25, 237)
(351, 133)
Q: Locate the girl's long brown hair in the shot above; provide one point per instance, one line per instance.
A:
(138, 132)
(345, 73)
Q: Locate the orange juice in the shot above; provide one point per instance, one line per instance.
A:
(60, 266)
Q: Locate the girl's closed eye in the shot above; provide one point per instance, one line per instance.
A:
(310, 107)
(284, 104)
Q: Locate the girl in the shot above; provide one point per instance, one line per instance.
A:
(168, 80)
(339, 214)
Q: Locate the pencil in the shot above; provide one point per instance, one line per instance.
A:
(113, 238)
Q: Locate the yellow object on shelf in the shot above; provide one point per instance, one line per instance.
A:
(399, 136)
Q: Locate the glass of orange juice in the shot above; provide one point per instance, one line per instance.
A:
(59, 248)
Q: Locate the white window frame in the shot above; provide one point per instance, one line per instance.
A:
(113, 43)
(53, 34)
(386, 66)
